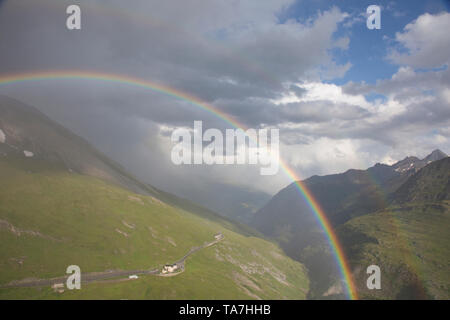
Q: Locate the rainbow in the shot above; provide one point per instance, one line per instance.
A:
(319, 213)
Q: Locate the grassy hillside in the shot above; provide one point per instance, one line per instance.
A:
(432, 183)
(410, 244)
(26, 128)
(51, 218)
(409, 241)
(287, 217)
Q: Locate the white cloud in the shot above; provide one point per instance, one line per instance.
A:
(326, 156)
(427, 41)
(342, 43)
(2, 136)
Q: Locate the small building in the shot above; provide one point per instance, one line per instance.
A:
(133, 276)
(169, 268)
(28, 154)
(58, 287)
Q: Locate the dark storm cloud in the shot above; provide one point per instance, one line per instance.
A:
(237, 56)
(217, 51)
(250, 62)
(234, 55)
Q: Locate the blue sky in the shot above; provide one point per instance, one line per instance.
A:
(367, 48)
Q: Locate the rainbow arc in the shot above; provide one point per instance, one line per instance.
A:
(313, 204)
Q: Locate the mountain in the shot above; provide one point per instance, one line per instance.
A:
(430, 184)
(25, 129)
(49, 140)
(409, 240)
(29, 130)
(236, 202)
(414, 164)
(63, 203)
(288, 219)
(435, 156)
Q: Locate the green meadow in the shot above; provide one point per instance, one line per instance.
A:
(51, 218)
(411, 245)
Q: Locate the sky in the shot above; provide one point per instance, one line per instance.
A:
(342, 96)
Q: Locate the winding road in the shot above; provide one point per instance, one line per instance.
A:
(110, 274)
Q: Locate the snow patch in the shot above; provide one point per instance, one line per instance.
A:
(28, 154)
(2, 136)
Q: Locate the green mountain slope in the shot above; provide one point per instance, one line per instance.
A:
(432, 183)
(288, 218)
(54, 214)
(50, 219)
(409, 241)
(27, 129)
(410, 244)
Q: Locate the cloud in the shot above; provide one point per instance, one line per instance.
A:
(414, 115)
(232, 54)
(426, 42)
(239, 57)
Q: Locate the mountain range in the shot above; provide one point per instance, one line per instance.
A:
(409, 240)
(345, 197)
(62, 202)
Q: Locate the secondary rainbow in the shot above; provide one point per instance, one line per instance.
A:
(157, 87)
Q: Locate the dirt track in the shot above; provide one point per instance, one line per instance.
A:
(110, 274)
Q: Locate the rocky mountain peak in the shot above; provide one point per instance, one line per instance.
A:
(435, 156)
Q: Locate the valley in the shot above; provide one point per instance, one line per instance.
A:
(371, 210)
(62, 203)
(69, 205)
